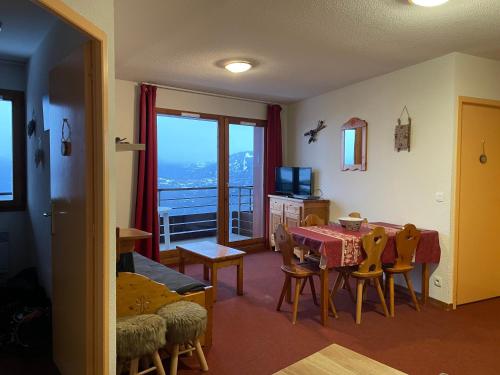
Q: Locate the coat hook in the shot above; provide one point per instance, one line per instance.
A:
(483, 158)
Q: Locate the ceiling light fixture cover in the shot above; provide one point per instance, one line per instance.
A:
(428, 3)
(238, 66)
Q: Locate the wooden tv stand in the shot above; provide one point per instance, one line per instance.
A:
(291, 211)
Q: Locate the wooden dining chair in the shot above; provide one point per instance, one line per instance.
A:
(407, 241)
(301, 272)
(370, 269)
(312, 220)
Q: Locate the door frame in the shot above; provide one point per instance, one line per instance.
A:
(222, 169)
(98, 277)
(462, 100)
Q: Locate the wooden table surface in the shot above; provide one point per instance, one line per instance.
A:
(213, 256)
(211, 251)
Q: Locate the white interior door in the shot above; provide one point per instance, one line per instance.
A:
(71, 193)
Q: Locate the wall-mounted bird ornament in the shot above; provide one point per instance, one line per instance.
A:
(313, 133)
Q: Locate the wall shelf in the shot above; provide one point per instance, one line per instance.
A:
(126, 237)
(130, 147)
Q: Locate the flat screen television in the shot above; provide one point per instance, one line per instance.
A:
(294, 181)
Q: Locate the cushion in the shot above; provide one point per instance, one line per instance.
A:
(186, 321)
(174, 280)
(139, 335)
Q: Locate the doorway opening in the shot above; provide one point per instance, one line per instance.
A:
(30, 213)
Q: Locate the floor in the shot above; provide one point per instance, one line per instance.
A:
(251, 337)
(15, 364)
(336, 359)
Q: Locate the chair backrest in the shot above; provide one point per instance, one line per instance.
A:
(407, 241)
(312, 220)
(373, 245)
(284, 244)
(136, 294)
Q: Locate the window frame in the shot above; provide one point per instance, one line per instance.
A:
(18, 203)
(223, 168)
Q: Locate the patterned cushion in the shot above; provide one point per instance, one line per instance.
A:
(186, 321)
(139, 335)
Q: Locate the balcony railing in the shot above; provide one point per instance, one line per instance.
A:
(192, 211)
(6, 196)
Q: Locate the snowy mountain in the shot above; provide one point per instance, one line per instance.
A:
(199, 175)
(171, 175)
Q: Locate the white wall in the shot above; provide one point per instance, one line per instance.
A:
(59, 42)
(127, 126)
(397, 187)
(477, 77)
(13, 77)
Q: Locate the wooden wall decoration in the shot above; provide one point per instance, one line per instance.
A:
(313, 133)
(402, 133)
(354, 138)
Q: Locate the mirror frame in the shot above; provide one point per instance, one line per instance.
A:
(354, 123)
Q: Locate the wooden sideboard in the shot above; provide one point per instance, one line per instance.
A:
(291, 211)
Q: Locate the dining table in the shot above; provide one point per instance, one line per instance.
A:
(338, 247)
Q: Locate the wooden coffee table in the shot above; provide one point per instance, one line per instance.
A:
(213, 256)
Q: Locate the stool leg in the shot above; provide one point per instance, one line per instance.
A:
(391, 294)
(381, 296)
(347, 285)
(201, 356)
(174, 359)
(284, 291)
(359, 300)
(412, 292)
(313, 290)
(298, 285)
(159, 366)
(134, 366)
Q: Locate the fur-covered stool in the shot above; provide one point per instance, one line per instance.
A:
(186, 322)
(139, 336)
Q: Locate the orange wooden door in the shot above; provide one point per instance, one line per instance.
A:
(71, 187)
(478, 253)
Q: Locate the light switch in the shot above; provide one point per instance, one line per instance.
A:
(439, 197)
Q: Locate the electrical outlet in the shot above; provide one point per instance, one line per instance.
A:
(439, 197)
(437, 281)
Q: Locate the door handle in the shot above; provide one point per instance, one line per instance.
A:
(47, 214)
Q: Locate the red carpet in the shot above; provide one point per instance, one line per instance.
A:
(251, 337)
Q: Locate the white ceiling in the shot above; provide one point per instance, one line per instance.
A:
(24, 25)
(302, 47)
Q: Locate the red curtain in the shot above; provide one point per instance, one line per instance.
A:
(274, 156)
(146, 205)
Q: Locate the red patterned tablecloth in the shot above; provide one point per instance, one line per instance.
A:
(339, 247)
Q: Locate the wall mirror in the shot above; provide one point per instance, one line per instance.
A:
(353, 156)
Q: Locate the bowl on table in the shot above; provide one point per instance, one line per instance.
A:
(351, 223)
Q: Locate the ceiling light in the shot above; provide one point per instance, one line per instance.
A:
(238, 66)
(428, 3)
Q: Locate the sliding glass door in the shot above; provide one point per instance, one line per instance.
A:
(245, 180)
(188, 187)
(210, 179)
